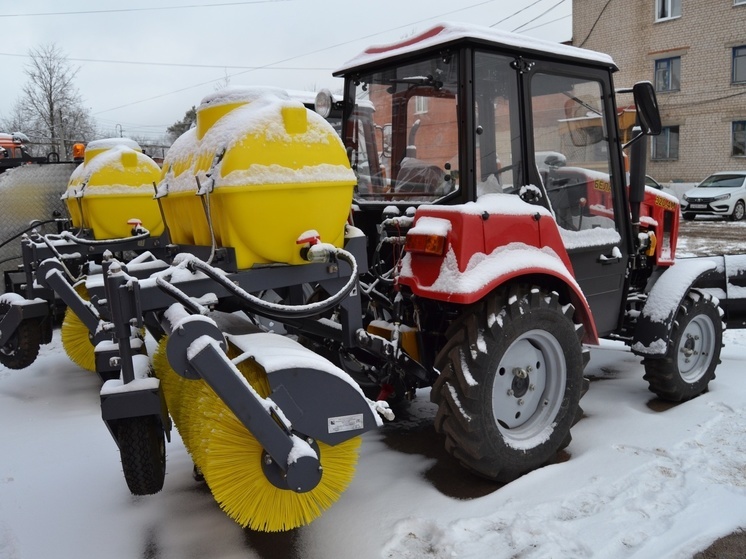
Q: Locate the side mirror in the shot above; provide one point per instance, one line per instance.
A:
(648, 115)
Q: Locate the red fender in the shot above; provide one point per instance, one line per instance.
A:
(485, 245)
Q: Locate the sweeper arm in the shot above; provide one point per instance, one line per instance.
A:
(309, 400)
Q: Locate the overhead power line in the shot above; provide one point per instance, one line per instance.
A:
(150, 9)
(582, 43)
(355, 40)
(545, 12)
(344, 43)
(174, 64)
(548, 22)
(515, 13)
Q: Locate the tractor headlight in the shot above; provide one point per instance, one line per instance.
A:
(323, 103)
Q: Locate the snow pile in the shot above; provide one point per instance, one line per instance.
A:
(444, 33)
(119, 169)
(642, 479)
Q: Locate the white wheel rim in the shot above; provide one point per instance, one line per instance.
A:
(529, 387)
(696, 348)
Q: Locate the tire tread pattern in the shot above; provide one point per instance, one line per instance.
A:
(662, 375)
(460, 421)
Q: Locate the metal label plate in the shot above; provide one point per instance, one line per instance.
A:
(344, 423)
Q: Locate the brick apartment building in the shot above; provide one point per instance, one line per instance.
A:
(694, 51)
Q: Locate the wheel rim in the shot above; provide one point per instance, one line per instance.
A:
(529, 388)
(11, 347)
(695, 348)
(739, 211)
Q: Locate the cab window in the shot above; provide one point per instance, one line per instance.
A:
(571, 151)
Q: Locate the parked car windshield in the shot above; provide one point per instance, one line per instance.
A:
(723, 181)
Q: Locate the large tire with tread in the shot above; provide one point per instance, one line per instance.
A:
(142, 447)
(22, 348)
(694, 351)
(511, 378)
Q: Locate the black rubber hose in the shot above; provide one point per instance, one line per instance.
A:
(34, 225)
(278, 310)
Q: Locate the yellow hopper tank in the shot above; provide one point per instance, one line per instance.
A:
(112, 186)
(275, 171)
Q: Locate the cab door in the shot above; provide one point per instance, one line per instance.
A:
(578, 164)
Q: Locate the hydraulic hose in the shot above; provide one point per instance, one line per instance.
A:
(280, 311)
(277, 311)
(33, 225)
(144, 234)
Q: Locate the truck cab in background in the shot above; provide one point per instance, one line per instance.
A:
(13, 150)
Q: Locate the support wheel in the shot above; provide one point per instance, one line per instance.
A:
(694, 351)
(142, 447)
(738, 212)
(510, 384)
(23, 347)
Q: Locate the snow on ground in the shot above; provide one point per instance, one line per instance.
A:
(643, 480)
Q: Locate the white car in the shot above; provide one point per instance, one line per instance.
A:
(719, 194)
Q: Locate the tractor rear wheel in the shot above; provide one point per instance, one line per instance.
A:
(510, 383)
(694, 351)
(22, 348)
(142, 447)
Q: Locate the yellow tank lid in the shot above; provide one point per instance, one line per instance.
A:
(96, 147)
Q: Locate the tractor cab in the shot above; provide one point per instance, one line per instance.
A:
(462, 113)
(469, 113)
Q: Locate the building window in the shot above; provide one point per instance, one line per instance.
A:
(666, 145)
(737, 2)
(667, 9)
(738, 148)
(420, 105)
(668, 74)
(739, 64)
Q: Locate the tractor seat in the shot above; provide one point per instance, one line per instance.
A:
(418, 177)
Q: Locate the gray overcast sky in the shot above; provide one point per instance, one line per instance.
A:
(178, 51)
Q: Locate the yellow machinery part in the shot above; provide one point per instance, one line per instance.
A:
(113, 185)
(276, 171)
(230, 457)
(75, 336)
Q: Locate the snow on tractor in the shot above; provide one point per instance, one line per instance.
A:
(472, 231)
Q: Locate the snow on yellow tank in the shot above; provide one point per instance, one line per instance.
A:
(112, 187)
(270, 170)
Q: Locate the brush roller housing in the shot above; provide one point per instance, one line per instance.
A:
(273, 169)
(112, 186)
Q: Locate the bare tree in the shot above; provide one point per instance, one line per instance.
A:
(50, 110)
(223, 82)
(181, 126)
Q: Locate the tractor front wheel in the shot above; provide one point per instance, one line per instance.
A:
(693, 353)
(142, 447)
(510, 383)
